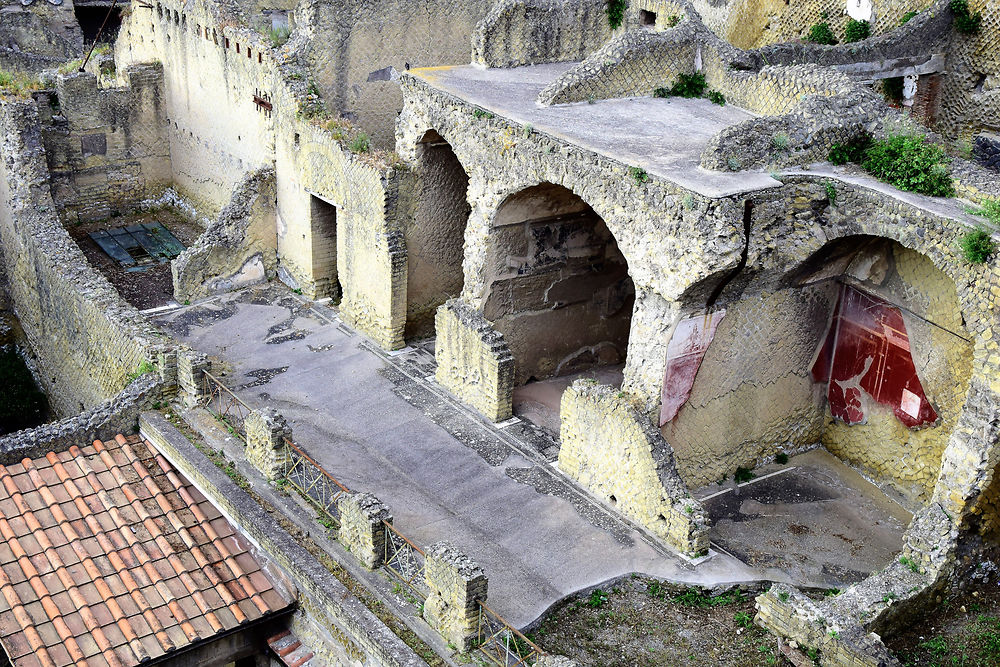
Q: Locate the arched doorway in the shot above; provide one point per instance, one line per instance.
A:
(559, 291)
(435, 240)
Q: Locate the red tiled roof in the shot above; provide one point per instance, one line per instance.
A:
(109, 557)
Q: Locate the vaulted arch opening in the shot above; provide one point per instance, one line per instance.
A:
(435, 240)
(558, 289)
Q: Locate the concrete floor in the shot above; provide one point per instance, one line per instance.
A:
(663, 136)
(814, 519)
(539, 402)
(377, 423)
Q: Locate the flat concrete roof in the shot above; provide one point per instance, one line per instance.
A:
(663, 136)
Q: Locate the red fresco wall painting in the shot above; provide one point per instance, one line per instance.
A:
(685, 352)
(867, 350)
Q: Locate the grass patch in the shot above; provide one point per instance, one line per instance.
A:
(361, 143)
(278, 36)
(145, 367)
(905, 18)
(18, 85)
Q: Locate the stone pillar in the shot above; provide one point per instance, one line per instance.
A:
(362, 531)
(191, 367)
(166, 364)
(457, 584)
(266, 431)
(474, 362)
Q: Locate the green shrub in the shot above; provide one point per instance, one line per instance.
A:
(857, 31)
(616, 13)
(781, 458)
(966, 22)
(831, 195)
(820, 33)
(977, 246)
(361, 143)
(673, 20)
(661, 92)
(743, 475)
(278, 36)
(638, 175)
(780, 141)
(907, 16)
(689, 85)
(715, 97)
(893, 88)
(852, 151)
(911, 163)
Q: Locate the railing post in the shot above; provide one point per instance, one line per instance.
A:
(362, 527)
(266, 431)
(457, 584)
(191, 367)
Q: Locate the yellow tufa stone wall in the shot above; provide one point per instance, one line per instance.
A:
(910, 459)
(753, 23)
(612, 450)
(753, 395)
(474, 362)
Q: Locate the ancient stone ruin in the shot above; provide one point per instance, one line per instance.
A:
(361, 333)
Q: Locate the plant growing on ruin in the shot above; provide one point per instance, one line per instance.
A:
(638, 175)
(278, 36)
(734, 164)
(989, 209)
(783, 596)
(911, 163)
(820, 33)
(597, 599)
(715, 97)
(907, 16)
(910, 563)
(781, 458)
(977, 246)
(831, 195)
(780, 141)
(616, 13)
(855, 31)
(689, 85)
(17, 85)
(966, 22)
(851, 151)
(481, 113)
(673, 20)
(743, 475)
(360, 143)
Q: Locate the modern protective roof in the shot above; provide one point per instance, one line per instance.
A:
(109, 557)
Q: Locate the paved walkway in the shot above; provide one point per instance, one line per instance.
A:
(377, 424)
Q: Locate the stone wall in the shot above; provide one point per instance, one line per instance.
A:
(87, 339)
(264, 114)
(359, 47)
(612, 450)
(107, 148)
(528, 32)
(36, 35)
(238, 249)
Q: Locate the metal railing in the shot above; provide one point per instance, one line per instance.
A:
(405, 560)
(501, 643)
(311, 480)
(225, 405)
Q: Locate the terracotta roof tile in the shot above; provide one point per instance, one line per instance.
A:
(109, 557)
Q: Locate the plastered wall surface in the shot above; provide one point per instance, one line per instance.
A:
(753, 395)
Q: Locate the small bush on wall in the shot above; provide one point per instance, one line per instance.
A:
(966, 22)
(977, 246)
(616, 13)
(906, 161)
(820, 33)
(857, 31)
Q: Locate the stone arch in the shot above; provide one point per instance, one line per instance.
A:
(435, 237)
(558, 288)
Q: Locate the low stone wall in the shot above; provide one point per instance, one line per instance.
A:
(528, 32)
(613, 451)
(238, 249)
(474, 362)
(88, 340)
(107, 148)
(119, 414)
